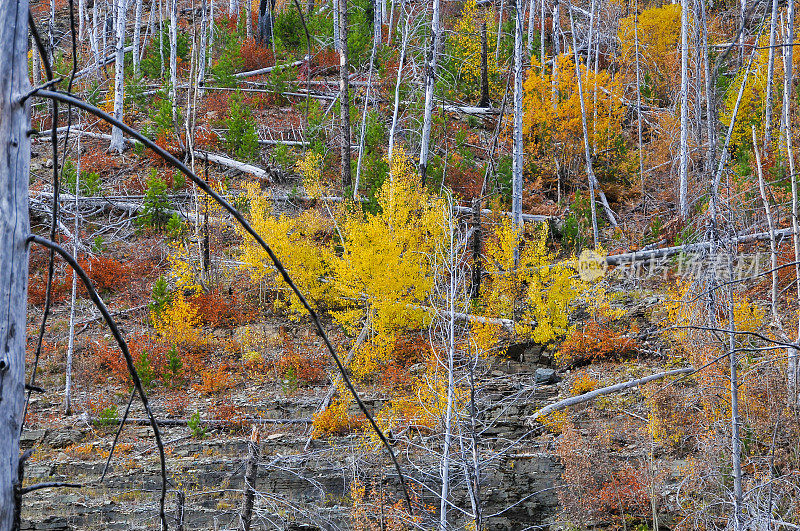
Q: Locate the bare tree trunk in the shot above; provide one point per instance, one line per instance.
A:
(375, 43)
(484, 69)
(344, 96)
(14, 230)
(71, 339)
(531, 24)
(248, 12)
(638, 99)
(250, 476)
(201, 62)
(117, 144)
(499, 31)
(81, 19)
(683, 205)
(770, 73)
(336, 24)
(393, 129)
(36, 69)
(173, 62)
(587, 153)
(137, 23)
(556, 53)
(517, 180)
(93, 40)
(736, 443)
(793, 356)
(430, 84)
(773, 251)
(453, 278)
(233, 7)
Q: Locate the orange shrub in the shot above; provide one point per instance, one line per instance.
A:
(593, 341)
(213, 382)
(107, 274)
(218, 311)
(335, 420)
(255, 55)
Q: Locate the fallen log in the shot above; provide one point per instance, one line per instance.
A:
(665, 252)
(227, 162)
(586, 397)
(269, 69)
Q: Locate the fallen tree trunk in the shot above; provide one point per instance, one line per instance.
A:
(259, 173)
(586, 397)
(203, 422)
(639, 256)
(269, 69)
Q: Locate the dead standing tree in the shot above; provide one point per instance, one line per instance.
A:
(14, 229)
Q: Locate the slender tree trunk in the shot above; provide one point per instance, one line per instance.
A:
(201, 62)
(137, 23)
(233, 7)
(375, 43)
(14, 230)
(531, 25)
(250, 477)
(117, 143)
(248, 12)
(542, 56)
(344, 96)
(75, 235)
(451, 339)
(683, 205)
(639, 100)
(772, 243)
(485, 102)
(587, 153)
(81, 19)
(556, 52)
(393, 129)
(36, 69)
(793, 356)
(736, 443)
(499, 31)
(430, 84)
(773, 25)
(173, 62)
(337, 24)
(516, 162)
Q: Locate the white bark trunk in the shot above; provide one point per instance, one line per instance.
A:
(793, 356)
(430, 84)
(119, 77)
(773, 251)
(516, 162)
(14, 230)
(770, 71)
(393, 129)
(71, 338)
(137, 29)
(683, 186)
(248, 12)
(173, 61)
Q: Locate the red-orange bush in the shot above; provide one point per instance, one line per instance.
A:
(107, 274)
(255, 55)
(218, 311)
(594, 341)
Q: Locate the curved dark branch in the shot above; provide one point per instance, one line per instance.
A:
(203, 185)
(123, 346)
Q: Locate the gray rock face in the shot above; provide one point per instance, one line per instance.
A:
(545, 376)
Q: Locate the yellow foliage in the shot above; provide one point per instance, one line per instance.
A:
(178, 323)
(556, 130)
(183, 270)
(659, 45)
(373, 355)
(752, 106)
(582, 384)
(547, 288)
(293, 240)
(386, 261)
(335, 420)
(466, 48)
(310, 167)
